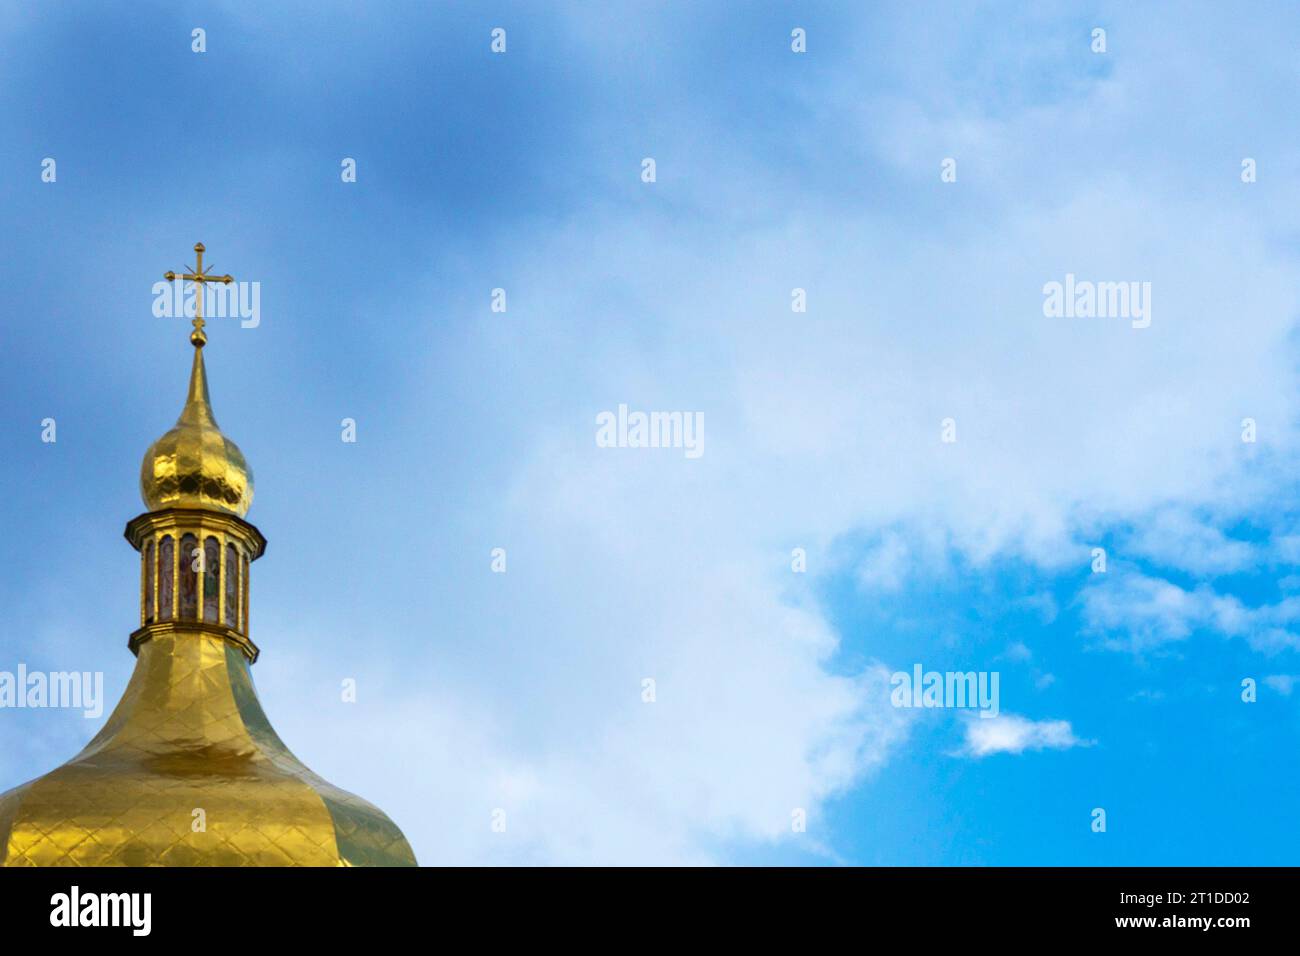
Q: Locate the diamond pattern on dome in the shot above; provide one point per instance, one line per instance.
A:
(189, 734)
(194, 465)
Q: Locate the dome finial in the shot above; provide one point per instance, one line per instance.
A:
(199, 338)
(194, 465)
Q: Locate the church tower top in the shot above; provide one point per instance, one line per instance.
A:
(194, 465)
(189, 740)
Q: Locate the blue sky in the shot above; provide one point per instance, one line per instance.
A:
(775, 171)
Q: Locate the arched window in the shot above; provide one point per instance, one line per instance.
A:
(150, 572)
(166, 571)
(232, 587)
(211, 580)
(243, 618)
(191, 561)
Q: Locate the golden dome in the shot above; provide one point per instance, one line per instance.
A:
(189, 741)
(194, 465)
(187, 771)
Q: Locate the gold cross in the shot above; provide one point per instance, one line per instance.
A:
(198, 337)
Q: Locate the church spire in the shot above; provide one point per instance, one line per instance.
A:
(189, 743)
(198, 403)
(195, 546)
(195, 465)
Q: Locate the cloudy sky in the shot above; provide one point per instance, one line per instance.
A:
(824, 430)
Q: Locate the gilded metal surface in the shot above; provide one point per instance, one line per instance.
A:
(187, 770)
(190, 735)
(194, 465)
(200, 277)
(153, 528)
(231, 637)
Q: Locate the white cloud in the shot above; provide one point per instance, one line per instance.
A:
(1282, 683)
(1178, 539)
(1010, 733)
(1018, 651)
(746, 728)
(1286, 548)
(822, 425)
(1131, 611)
(884, 566)
(1138, 612)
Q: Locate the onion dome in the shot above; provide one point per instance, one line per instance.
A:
(195, 465)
